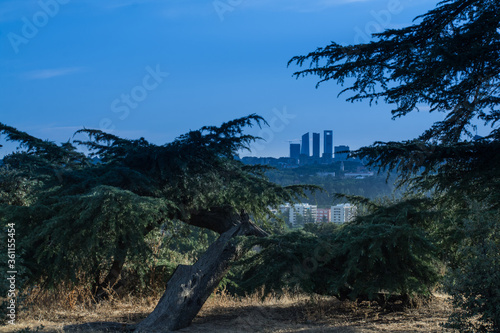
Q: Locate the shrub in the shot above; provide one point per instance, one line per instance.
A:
(475, 283)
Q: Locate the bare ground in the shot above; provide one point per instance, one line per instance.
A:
(226, 314)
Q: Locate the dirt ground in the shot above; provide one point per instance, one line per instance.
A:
(225, 314)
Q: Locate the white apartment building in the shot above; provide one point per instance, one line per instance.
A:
(299, 213)
(343, 213)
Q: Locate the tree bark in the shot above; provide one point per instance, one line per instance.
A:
(111, 281)
(190, 286)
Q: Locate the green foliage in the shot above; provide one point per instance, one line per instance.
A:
(384, 252)
(16, 189)
(184, 243)
(426, 64)
(80, 234)
(453, 171)
(397, 259)
(78, 216)
(475, 284)
(321, 229)
(275, 261)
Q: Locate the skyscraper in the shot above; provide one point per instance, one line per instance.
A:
(305, 145)
(328, 144)
(316, 145)
(341, 153)
(295, 150)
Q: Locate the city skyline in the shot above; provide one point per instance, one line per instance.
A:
(157, 69)
(303, 149)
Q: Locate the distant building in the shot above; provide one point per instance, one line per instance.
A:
(341, 153)
(358, 175)
(323, 215)
(295, 150)
(281, 163)
(306, 211)
(299, 214)
(305, 145)
(328, 145)
(325, 174)
(315, 145)
(343, 213)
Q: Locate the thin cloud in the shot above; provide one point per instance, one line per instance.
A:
(43, 74)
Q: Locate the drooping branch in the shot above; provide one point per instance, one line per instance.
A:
(424, 64)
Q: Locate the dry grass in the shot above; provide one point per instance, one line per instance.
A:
(293, 313)
(224, 313)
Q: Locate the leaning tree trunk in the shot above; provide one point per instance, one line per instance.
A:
(190, 286)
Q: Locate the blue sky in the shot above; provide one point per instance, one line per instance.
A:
(158, 68)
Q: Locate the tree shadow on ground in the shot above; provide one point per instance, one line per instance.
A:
(304, 317)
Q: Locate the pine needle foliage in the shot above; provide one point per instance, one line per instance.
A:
(382, 254)
(475, 282)
(455, 171)
(89, 215)
(447, 61)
